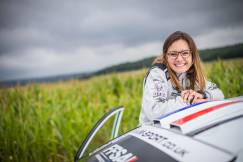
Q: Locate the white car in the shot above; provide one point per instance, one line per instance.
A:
(205, 132)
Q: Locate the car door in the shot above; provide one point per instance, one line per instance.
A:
(105, 129)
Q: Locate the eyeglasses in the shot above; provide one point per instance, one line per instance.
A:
(174, 54)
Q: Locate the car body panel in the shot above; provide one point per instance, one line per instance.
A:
(209, 131)
(230, 132)
(196, 117)
(148, 143)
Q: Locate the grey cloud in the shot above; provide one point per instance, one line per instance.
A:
(64, 26)
(70, 23)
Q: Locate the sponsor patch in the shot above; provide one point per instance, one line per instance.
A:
(159, 92)
(212, 86)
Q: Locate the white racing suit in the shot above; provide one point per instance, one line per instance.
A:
(160, 97)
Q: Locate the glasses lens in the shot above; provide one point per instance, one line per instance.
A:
(173, 55)
(185, 54)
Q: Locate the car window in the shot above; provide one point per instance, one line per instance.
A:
(103, 131)
(101, 137)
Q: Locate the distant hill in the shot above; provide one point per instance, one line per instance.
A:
(127, 66)
(227, 52)
(48, 79)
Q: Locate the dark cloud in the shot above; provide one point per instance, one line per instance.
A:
(71, 23)
(65, 26)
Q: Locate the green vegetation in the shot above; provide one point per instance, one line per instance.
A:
(47, 122)
(227, 52)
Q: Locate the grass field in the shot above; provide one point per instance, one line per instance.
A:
(47, 122)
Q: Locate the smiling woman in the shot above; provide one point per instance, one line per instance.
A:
(176, 79)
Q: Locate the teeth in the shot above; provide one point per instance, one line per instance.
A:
(179, 65)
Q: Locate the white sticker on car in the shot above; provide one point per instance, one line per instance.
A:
(116, 153)
(180, 147)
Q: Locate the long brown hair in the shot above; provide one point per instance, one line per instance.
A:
(195, 74)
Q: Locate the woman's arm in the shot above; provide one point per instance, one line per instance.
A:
(212, 92)
(155, 100)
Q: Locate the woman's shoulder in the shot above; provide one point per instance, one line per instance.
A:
(157, 71)
(159, 66)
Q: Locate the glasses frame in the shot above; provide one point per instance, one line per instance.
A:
(179, 53)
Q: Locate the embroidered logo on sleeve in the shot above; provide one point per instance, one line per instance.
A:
(212, 86)
(159, 91)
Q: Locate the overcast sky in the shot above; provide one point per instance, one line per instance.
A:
(51, 37)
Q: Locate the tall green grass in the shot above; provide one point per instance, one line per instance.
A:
(47, 122)
(228, 75)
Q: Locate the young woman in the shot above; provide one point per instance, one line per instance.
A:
(176, 79)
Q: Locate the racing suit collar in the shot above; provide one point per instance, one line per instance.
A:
(181, 76)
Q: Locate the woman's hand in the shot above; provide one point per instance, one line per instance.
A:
(192, 97)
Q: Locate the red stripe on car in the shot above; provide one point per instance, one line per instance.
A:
(202, 112)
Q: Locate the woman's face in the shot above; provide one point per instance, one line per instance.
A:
(179, 56)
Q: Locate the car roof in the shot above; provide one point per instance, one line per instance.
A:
(195, 118)
(227, 136)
